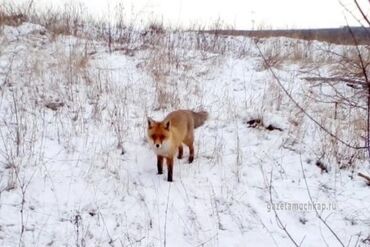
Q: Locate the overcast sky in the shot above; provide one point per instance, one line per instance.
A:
(241, 14)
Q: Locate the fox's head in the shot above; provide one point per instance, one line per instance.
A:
(158, 134)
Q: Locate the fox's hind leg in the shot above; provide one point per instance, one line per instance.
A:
(191, 153)
(160, 164)
(189, 143)
(181, 152)
(189, 140)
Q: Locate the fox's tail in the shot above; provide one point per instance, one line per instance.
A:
(199, 118)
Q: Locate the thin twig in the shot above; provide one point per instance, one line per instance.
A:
(314, 207)
(326, 79)
(165, 219)
(366, 177)
(280, 223)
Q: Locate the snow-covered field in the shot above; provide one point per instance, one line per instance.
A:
(76, 169)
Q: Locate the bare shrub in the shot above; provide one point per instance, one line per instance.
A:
(332, 151)
(20, 148)
(273, 53)
(272, 96)
(72, 19)
(155, 28)
(211, 42)
(273, 59)
(74, 62)
(211, 39)
(162, 61)
(345, 92)
(118, 116)
(154, 35)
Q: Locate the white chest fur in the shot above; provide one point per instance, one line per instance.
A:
(163, 150)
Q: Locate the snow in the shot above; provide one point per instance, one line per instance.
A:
(25, 29)
(88, 176)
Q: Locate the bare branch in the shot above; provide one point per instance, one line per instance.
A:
(352, 14)
(362, 12)
(366, 177)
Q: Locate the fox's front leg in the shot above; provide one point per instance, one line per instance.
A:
(169, 168)
(160, 164)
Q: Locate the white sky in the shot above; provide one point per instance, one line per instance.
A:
(241, 14)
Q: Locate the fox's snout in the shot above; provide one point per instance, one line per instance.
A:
(157, 143)
(160, 147)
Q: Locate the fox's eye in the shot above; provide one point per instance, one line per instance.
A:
(161, 137)
(154, 137)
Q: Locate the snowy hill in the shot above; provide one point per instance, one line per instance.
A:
(76, 169)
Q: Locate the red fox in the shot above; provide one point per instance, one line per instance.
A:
(166, 137)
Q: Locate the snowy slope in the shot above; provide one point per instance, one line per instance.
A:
(76, 169)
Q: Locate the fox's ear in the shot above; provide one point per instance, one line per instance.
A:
(167, 125)
(150, 122)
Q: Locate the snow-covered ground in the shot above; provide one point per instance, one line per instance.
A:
(76, 169)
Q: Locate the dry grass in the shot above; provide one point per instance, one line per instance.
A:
(12, 16)
(160, 65)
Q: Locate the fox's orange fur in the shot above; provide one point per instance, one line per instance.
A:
(166, 137)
